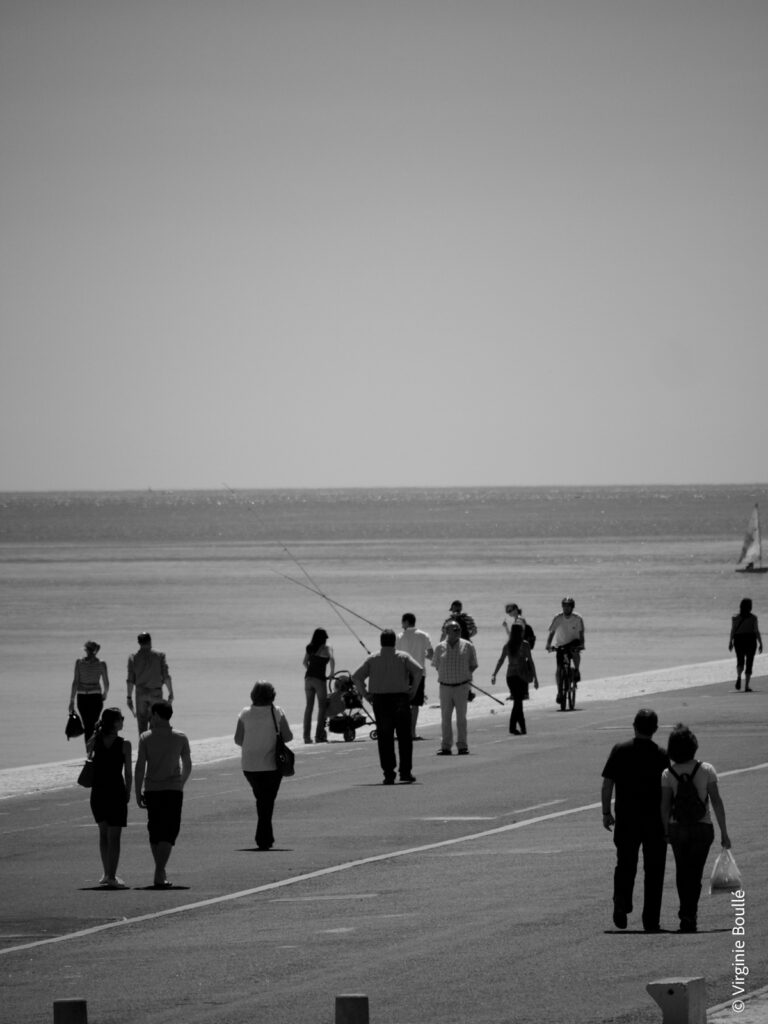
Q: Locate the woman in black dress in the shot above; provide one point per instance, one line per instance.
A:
(111, 790)
(745, 638)
(521, 671)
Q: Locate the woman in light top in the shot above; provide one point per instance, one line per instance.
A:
(745, 638)
(690, 839)
(90, 686)
(111, 790)
(319, 665)
(256, 735)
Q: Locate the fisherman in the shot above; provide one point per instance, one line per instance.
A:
(393, 677)
(418, 644)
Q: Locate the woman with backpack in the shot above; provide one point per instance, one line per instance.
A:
(745, 638)
(521, 671)
(688, 789)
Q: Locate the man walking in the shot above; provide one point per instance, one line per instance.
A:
(418, 644)
(147, 674)
(163, 765)
(455, 660)
(634, 768)
(392, 680)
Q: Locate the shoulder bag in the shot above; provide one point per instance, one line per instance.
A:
(284, 756)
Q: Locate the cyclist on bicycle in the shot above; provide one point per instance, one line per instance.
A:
(566, 635)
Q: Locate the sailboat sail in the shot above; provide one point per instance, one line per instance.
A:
(751, 549)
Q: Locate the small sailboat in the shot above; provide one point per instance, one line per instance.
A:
(751, 557)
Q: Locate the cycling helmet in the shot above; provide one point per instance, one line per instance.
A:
(568, 600)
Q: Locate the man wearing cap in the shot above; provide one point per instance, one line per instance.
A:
(455, 660)
(392, 680)
(147, 672)
(634, 768)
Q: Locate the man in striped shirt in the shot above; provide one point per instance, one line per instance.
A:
(455, 660)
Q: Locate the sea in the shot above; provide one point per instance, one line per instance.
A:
(231, 585)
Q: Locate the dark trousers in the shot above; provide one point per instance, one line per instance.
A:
(89, 707)
(628, 839)
(393, 718)
(265, 786)
(518, 690)
(690, 845)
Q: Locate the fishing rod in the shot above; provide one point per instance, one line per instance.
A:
(327, 598)
(315, 588)
(476, 687)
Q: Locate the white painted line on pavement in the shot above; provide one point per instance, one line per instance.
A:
(323, 872)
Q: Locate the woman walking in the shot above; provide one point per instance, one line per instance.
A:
(111, 791)
(256, 735)
(688, 788)
(90, 686)
(319, 665)
(521, 671)
(746, 639)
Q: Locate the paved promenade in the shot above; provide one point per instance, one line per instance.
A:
(482, 893)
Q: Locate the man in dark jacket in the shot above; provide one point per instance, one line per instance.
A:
(634, 768)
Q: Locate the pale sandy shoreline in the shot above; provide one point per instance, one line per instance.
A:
(39, 778)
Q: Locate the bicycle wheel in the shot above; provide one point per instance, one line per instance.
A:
(571, 692)
(566, 683)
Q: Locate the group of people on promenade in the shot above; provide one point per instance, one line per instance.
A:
(393, 681)
(660, 798)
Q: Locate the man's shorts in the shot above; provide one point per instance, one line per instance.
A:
(417, 701)
(164, 815)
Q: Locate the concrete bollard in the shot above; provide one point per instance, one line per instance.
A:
(70, 1011)
(682, 1000)
(352, 1009)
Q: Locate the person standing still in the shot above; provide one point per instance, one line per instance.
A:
(635, 768)
(90, 687)
(319, 665)
(455, 660)
(746, 640)
(418, 644)
(392, 679)
(163, 765)
(147, 674)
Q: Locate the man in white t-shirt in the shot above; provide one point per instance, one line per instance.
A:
(566, 633)
(418, 644)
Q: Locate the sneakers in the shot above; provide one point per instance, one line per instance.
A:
(442, 752)
(464, 750)
(408, 778)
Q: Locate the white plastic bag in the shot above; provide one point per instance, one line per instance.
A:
(725, 873)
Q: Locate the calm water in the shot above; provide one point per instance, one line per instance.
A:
(651, 569)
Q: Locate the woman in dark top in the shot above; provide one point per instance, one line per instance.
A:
(111, 791)
(746, 639)
(319, 664)
(521, 671)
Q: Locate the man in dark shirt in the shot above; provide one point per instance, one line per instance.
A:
(635, 768)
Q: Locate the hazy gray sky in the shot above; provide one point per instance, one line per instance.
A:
(395, 242)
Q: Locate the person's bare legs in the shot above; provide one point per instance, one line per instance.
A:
(161, 852)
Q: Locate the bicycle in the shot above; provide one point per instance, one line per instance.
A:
(567, 677)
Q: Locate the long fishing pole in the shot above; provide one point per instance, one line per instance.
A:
(476, 687)
(327, 598)
(316, 588)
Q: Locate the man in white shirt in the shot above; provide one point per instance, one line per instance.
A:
(566, 633)
(417, 643)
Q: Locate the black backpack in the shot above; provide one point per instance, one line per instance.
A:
(687, 805)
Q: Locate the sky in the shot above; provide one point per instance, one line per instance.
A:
(338, 243)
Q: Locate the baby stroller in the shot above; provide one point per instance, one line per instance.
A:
(345, 711)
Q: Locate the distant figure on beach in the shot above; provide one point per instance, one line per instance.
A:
(635, 768)
(566, 634)
(746, 640)
(111, 791)
(163, 765)
(90, 686)
(319, 665)
(455, 660)
(392, 678)
(515, 613)
(256, 735)
(464, 619)
(418, 644)
(147, 674)
(688, 823)
(521, 672)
